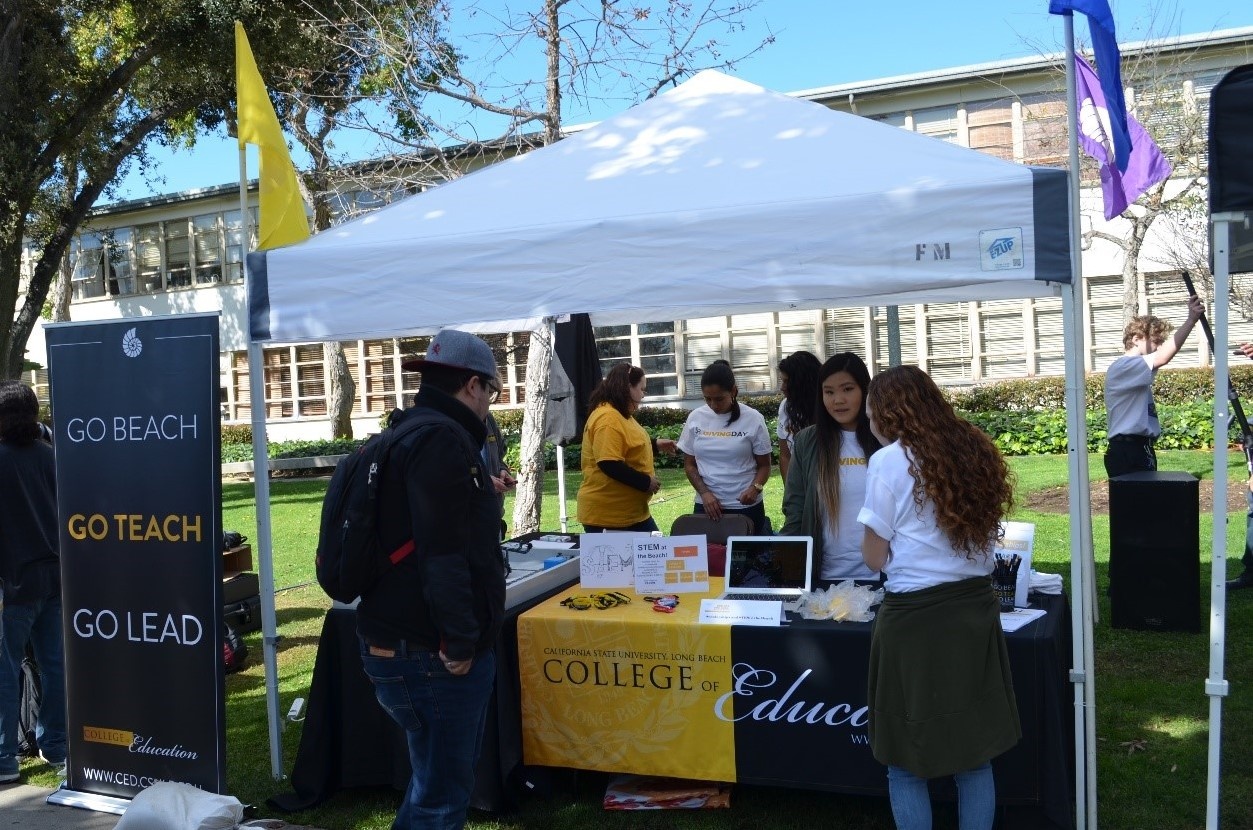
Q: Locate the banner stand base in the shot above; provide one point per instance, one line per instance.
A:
(89, 801)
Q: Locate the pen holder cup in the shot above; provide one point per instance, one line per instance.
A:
(1005, 594)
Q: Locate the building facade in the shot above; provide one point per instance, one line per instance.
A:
(184, 253)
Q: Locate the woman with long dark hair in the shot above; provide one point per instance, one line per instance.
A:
(798, 381)
(726, 450)
(940, 693)
(617, 461)
(827, 479)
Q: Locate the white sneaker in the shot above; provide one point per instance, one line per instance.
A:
(58, 767)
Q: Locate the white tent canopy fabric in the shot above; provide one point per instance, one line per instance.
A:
(717, 197)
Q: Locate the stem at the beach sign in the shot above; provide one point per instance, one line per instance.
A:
(135, 408)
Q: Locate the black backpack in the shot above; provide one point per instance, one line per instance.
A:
(351, 556)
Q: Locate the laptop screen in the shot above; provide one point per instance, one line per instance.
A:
(768, 562)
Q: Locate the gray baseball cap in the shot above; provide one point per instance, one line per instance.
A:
(456, 350)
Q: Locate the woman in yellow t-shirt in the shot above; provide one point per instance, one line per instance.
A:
(618, 475)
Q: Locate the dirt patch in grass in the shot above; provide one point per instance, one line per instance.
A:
(1057, 499)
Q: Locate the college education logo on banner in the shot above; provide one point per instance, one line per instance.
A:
(137, 434)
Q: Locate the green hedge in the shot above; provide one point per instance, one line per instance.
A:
(1024, 417)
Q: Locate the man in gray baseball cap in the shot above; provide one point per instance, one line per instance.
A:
(429, 626)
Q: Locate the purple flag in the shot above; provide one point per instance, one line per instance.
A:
(1105, 49)
(1146, 165)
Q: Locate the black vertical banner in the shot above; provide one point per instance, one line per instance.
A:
(137, 434)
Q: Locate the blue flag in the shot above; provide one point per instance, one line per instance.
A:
(1108, 61)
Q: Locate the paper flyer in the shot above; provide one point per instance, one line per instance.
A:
(607, 560)
(671, 565)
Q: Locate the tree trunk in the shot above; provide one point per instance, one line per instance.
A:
(340, 390)
(61, 292)
(1131, 267)
(530, 493)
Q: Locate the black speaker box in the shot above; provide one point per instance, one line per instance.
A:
(1154, 552)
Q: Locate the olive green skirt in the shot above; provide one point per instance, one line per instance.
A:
(940, 692)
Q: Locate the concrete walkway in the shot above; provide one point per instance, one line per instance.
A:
(27, 807)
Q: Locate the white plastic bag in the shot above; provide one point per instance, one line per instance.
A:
(843, 602)
(169, 805)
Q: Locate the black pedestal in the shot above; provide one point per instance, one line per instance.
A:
(1154, 553)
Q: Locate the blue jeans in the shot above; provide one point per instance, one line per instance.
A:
(38, 623)
(443, 717)
(911, 803)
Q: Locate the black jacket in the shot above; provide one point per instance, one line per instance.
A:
(30, 566)
(449, 594)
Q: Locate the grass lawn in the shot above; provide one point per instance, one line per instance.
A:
(1152, 713)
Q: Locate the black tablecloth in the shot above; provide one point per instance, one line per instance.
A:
(349, 741)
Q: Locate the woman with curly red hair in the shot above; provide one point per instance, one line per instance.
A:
(940, 693)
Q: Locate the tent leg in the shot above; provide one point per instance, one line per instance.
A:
(265, 566)
(1215, 683)
(561, 486)
(1082, 564)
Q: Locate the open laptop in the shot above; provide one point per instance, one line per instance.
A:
(769, 568)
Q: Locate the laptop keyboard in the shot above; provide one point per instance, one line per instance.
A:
(784, 598)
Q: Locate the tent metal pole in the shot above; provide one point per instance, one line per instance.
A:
(1215, 683)
(1082, 566)
(265, 566)
(561, 486)
(261, 486)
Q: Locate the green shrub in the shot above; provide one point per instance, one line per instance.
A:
(1172, 387)
(236, 434)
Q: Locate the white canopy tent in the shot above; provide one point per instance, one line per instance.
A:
(718, 197)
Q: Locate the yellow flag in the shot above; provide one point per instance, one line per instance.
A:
(283, 218)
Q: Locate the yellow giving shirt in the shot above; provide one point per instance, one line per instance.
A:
(610, 437)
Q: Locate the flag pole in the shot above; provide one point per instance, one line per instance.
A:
(1082, 566)
(261, 488)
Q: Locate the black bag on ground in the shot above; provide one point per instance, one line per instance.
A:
(243, 616)
(29, 696)
(234, 650)
(351, 556)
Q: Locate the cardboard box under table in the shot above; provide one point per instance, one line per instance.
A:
(630, 689)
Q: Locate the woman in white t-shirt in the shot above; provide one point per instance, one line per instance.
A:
(940, 692)
(727, 450)
(827, 478)
(798, 381)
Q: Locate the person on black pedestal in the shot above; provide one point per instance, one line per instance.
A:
(30, 573)
(429, 626)
(1245, 579)
(1132, 417)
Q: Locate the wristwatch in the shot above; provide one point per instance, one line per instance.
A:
(757, 487)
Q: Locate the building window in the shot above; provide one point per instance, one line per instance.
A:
(208, 248)
(1044, 130)
(87, 274)
(938, 122)
(649, 346)
(148, 258)
(177, 254)
(121, 275)
(311, 381)
(990, 127)
(947, 341)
